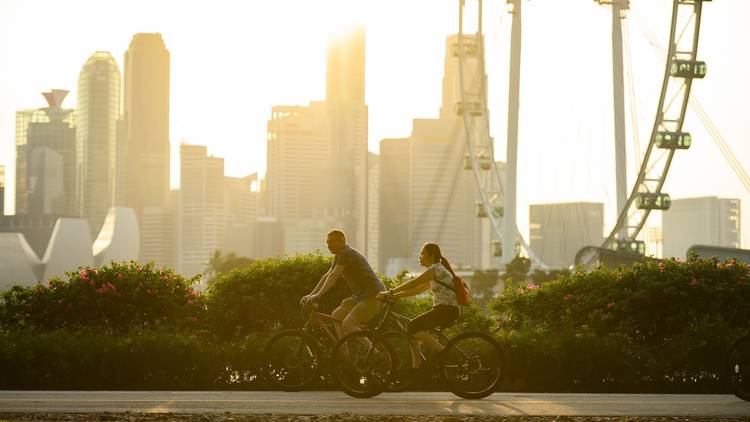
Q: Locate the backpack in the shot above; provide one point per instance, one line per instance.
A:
(460, 288)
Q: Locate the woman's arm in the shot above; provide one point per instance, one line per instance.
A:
(423, 278)
(413, 291)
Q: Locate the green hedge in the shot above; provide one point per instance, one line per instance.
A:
(661, 327)
(658, 326)
(117, 297)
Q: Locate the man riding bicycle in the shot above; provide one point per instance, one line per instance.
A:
(350, 265)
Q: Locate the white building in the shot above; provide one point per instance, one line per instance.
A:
(711, 221)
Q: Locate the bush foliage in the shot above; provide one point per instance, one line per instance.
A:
(653, 327)
(116, 297)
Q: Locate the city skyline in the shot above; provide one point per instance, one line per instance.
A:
(584, 174)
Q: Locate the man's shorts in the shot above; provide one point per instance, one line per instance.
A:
(361, 312)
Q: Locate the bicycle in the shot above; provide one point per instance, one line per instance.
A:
(469, 364)
(738, 365)
(293, 358)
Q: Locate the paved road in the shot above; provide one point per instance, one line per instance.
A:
(500, 404)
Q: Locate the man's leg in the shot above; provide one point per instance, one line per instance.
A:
(361, 313)
(340, 314)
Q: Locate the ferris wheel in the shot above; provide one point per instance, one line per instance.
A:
(497, 199)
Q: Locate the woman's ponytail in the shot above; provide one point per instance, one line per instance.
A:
(447, 265)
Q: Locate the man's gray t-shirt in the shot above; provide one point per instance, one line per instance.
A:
(358, 274)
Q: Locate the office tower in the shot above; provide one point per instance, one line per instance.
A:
(393, 201)
(2, 190)
(318, 162)
(373, 207)
(298, 142)
(46, 159)
(558, 231)
(711, 221)
(346, 167)
(159, 232)
(241, 200)
(96, 119)
(202, 216)
(146, 120)
(440, 194)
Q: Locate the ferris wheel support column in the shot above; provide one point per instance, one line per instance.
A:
(619, 8)
(514, 88)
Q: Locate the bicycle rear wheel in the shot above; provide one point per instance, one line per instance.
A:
(470, 364)
(362, 364)
(739, 368)
(291, 360)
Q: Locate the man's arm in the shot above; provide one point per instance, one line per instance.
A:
(331, 279)
(320, 283)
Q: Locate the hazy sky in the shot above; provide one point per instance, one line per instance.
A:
(233, 60)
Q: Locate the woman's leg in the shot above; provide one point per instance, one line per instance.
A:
(419, 327)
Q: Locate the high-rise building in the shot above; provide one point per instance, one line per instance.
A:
(146, 120)
(2, 190)
(711, 221)
(393, 201)
(159, 232)
(347, 165)
(318, 162)
(96, 118)
(373, 208)
(242, 211)
(298, 144)
(202, 214)
(558, 231)
(434, 200)
(46, 159)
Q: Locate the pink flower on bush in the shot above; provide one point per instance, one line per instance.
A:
(610, 305)
(661, 267)
(693, 282)
(193, 293)
(532, 286)
(106, 288)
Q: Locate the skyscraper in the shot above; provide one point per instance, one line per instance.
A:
(710, 221)
(393, 201)
(202, 213)
(318, 162)
(96, 117)
(146, 120)
(298, 144)
(2, 190)
(46, 159)
(440, 194)
(346, 169)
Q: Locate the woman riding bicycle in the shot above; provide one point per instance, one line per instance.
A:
(445, 311)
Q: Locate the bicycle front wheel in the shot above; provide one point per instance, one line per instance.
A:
(470, 364)
(362, 364)
(291, 360)
(739, 368)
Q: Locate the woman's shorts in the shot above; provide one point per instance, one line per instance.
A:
(439, 316)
